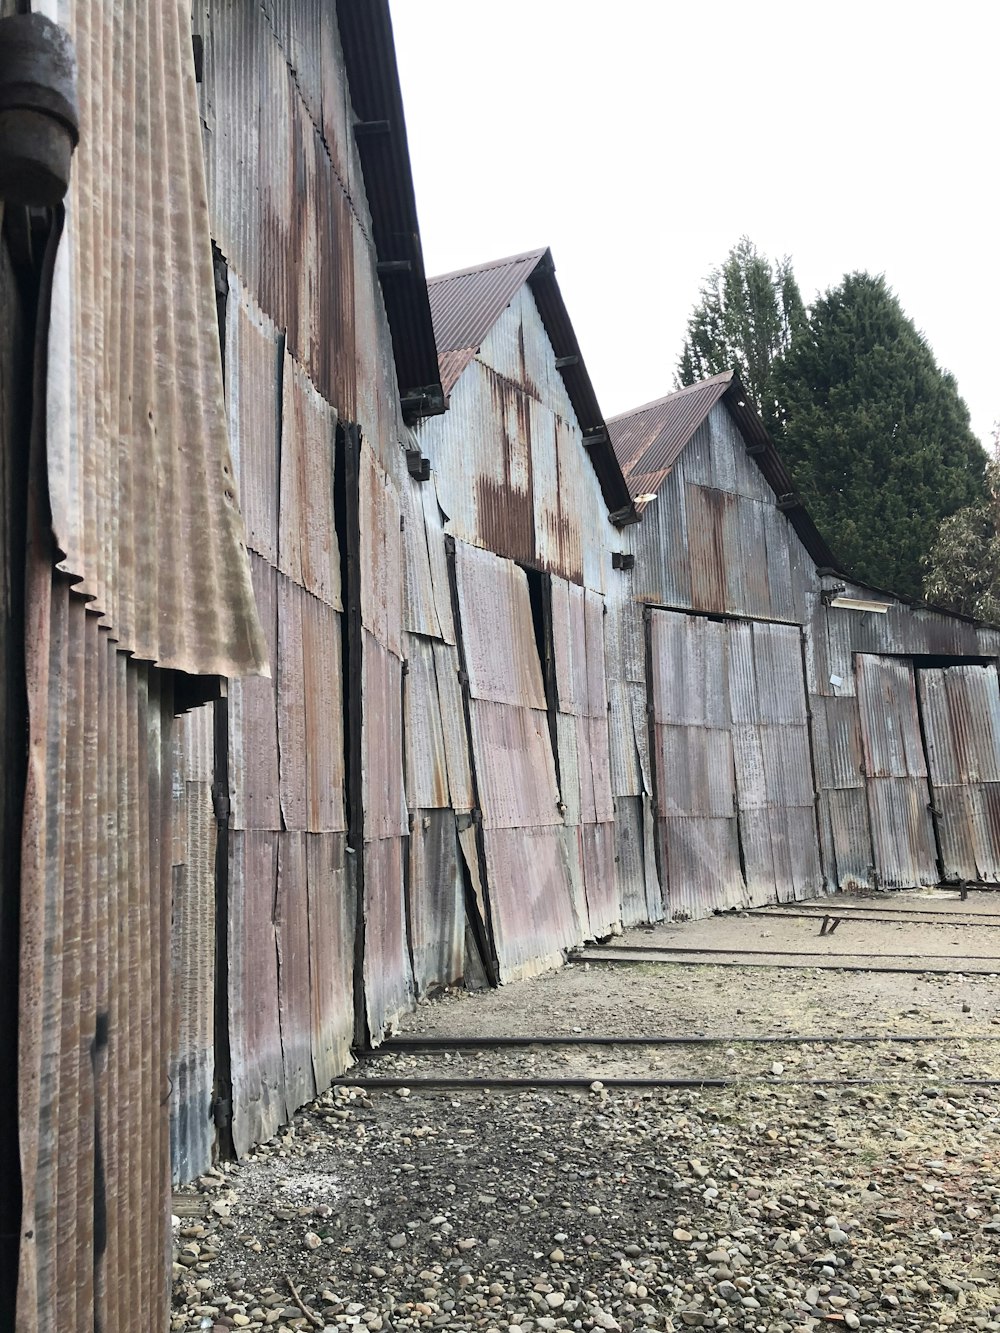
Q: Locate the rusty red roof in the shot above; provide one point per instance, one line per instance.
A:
(466, 304)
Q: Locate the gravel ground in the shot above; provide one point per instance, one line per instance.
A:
(775, 1204)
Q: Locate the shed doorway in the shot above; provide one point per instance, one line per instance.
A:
(931, 738)
(735, 793)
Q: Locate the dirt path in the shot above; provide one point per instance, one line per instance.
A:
(792, 1199)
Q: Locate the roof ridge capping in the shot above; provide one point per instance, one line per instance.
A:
(465, 306)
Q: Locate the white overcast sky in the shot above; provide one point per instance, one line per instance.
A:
(641, 139)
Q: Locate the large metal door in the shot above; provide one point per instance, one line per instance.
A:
(961, 715)
(895, 772)
(775, 790)
(696, 784)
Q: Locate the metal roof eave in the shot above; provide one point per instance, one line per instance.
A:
(380, 133)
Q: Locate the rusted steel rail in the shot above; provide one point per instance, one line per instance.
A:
(633, 956)
(990, 920)
(456, 1081)
(449, 1043)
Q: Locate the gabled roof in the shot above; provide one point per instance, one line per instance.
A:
(649, 440)
(380, 132)
(466, 304)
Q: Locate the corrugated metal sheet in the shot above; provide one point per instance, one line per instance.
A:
(436, 901)
(498, 632)
(638, 887)
(456, 740)
(426, 759)
(94, 1021)
(308, 551)
(382, 703)
(960, 706)
(192, 968)
(514, 765)
(388, 977)
(381, 569)
(898, 794)
(141, 485)
(254, 401)
(531, 897)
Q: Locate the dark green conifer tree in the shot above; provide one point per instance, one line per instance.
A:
(875, 433)
(747, 314)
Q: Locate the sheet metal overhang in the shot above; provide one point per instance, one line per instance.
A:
(466, 305)
(380, 132)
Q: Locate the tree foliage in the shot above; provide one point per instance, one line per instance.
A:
(875, 433)
(747, 315)
(963, 567)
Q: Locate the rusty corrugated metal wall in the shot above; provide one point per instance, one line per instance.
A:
(136, 469)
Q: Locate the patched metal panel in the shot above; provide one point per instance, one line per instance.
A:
(192, 1053)
(603, 907)
(308, 551)
(420, 614)
(331, 913)
(253, 723)
(381, 565)
(254, 1025)
(291, 924)
(498, 632)
(382, 762)
(436, 901)
(322, 681)
(456, 739)
(531, 898)
(434, 522)
(898, 793)
(709, 528)
(960, 707)
(426, 759)
(254, 403)
(626, 779)
(388, 978)
(514, 766)
(638, 888)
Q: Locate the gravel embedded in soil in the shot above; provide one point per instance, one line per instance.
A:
(772, 1205)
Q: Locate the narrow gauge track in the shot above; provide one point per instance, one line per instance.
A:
(830, 907)
(990, 920)
(819, 962)
(793, 953)
(403, 1045)
(451, 1082)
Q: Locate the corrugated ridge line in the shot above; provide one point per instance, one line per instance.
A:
(467, 303)
(647, 440)
(158, 545)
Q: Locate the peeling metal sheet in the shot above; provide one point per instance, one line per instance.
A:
(436, 901)
(140, 479)
(497, 630)
(434, 521)
(420, 614)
